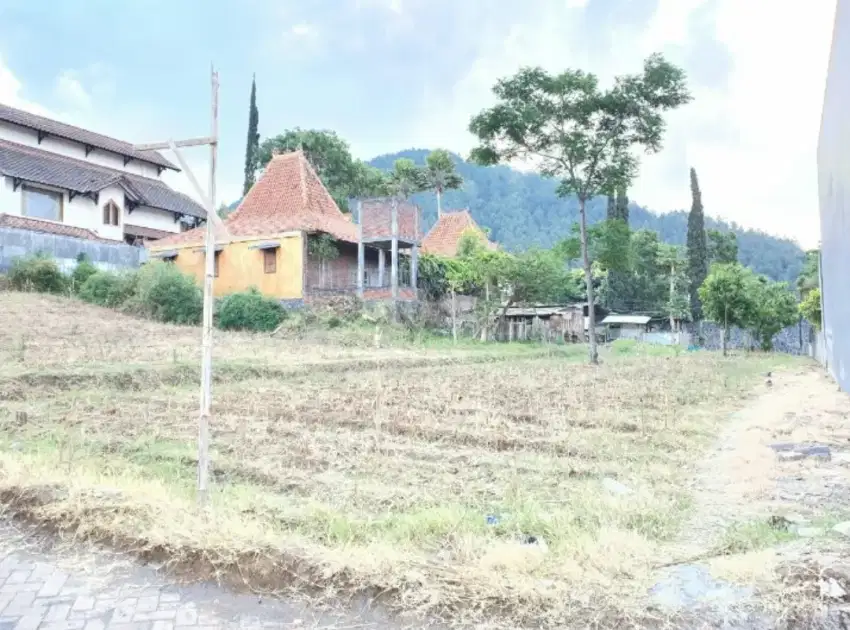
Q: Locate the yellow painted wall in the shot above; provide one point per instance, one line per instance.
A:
(240, 267)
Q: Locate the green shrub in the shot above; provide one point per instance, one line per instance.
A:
(109, 289)
(82, 272)
(249, 310)
(37, 273)
(166, 294)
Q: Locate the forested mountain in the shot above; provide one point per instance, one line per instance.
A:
(522, 210)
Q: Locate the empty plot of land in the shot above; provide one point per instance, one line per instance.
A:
(513, 486)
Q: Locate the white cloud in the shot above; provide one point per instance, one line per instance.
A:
(302, 30)
(757, 72)
(70, 91)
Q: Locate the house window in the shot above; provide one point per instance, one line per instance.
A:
(42, 204)
(270, 260)
(215, 264)
(111, 213)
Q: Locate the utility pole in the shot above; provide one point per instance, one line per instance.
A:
(213, 221)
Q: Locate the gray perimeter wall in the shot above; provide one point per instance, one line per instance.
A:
(65, 250)
(834, 192)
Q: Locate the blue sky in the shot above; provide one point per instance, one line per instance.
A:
(394, 74)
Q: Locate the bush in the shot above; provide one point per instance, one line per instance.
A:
(37, 273)
(249, 310)
(82, 272)
(108, 289)
(166, 294)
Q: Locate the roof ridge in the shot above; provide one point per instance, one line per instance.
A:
(67, 158)
(129, 145)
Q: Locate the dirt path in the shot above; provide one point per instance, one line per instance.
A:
(777, 505)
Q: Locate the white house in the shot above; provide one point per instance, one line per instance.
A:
(59, 179)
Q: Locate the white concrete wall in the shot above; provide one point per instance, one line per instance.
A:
(10, 201)
(69, 148)
(152, 218)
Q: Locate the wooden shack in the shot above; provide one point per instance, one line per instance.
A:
(551, 323)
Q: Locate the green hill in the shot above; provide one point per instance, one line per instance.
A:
(522, 210)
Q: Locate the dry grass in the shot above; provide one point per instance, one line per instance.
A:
(343, 470)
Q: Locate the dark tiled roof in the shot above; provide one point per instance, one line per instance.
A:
(83, 136)
(145, 232)
(43, 167)
(288, 197)
(49, 227)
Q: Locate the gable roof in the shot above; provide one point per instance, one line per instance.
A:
(49, 227)
(288, 196)
(444, 237)
(83, 136)
(43, 167)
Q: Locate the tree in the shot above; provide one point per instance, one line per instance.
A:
(772, 308)
(674, 260)
(405, 179)
(252, 146)
(809, 278)
(724, 298)
(810, 308)
(440, 175)
(722, 247)
(344, 177)
(697, 247)
(621, 207)
(579, 133)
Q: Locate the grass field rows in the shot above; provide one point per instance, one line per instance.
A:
(416, 471)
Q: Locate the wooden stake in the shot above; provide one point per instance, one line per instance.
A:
(206, 341)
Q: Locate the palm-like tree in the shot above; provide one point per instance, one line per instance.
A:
(405, 179)
(439, 175)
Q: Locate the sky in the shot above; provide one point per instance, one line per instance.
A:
(389, 75)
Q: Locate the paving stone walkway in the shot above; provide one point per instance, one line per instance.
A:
(47, 588)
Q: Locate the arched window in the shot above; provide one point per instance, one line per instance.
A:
(111, 213)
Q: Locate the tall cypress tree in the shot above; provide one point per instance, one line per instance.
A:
(252, 147)
(697, 247)
(611, 211)
(621, 210)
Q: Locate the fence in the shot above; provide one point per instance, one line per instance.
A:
(795, 339)
(66, 250)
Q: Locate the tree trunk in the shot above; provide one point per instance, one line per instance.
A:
(588, 279)
(725, 332)
(439, 204)
(484, 331)
(454, 316)
(672, 293)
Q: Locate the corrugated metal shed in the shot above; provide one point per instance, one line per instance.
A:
(639, 320)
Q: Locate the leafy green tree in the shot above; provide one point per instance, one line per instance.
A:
(810, 308)
(405, 179)
(345, 177)
(252, 146)
(772, 308)
(697, 247)
(579, 133)
(621, 207)
(722, 247)
(674, 260)
(724, 297)
(440, 175)
(809, 278)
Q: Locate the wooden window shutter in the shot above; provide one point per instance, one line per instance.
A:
(270, 260)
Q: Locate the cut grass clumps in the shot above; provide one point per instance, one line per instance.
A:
(249, 310)
(753, 536)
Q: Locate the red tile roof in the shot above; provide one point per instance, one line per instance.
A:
(444, 237)
(289, 196)
(49, 227)
(376, 215)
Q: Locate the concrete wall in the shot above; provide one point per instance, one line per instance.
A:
(69, 148)
(834, 192)
(240, 267)
(65, 250)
